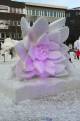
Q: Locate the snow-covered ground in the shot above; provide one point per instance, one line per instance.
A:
(62, 107)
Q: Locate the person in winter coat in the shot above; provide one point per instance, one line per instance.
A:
(78, 54)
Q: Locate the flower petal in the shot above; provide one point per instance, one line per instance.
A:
(59, 68)
(53, 46)
(28, 75)
(49, 63)
(39, 66)
(28, 65)
(50, 70)
(64, 48)
(38, 29)
(43, 75)
(59, 35)
(60, 60)
(54, 55)
(31, 53)
(43, 39)
(21, 51)
(50, 67)
(57, 24)
(21, 73)
(63, 73)
(41, 53)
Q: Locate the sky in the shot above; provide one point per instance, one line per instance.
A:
(67, 3)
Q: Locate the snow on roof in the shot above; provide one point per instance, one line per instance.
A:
(46, 5)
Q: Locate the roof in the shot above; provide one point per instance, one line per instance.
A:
(77, 8)
(45, 5)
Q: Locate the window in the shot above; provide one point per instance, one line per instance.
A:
(54, 13)
(41, 12)
(13, 35)
(17, 10)
(3, 8)
(19, 36)
(45, 11)
(58, 14)
(2, 35)
(26, 11)
(7, 35)
(33, 12)
(29, 11)
(77, 13)
(13, 10)
(18, 23)
(51, 14)
(15, 23)
(20, 10)
(37, 13)
(63, 14)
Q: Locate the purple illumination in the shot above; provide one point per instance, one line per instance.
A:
(45, 57)
(40, 60)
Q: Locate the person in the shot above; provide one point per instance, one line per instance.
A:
(0, 46)
(11, 52)
(69, 52)
(75, 56)
(78, 54)
(70, 60)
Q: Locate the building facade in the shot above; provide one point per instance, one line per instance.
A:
(73, 21)
(12, 11)
(34, 10)
(10, 16)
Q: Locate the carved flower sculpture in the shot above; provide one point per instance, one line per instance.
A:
(43, 58)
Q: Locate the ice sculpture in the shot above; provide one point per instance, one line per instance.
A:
(42, 51)
(77, 44)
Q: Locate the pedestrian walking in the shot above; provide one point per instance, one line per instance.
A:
(78, 54)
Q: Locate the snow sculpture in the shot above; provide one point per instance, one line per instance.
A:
(8, 44)
(77, 44)
(42, 51)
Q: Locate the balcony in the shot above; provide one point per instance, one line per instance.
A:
(4, 24)
(4, 8)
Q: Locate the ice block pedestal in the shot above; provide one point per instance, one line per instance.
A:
(37, 88)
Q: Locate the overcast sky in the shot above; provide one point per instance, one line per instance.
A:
(67, 3)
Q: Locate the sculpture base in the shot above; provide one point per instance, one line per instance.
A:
(37, 88)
